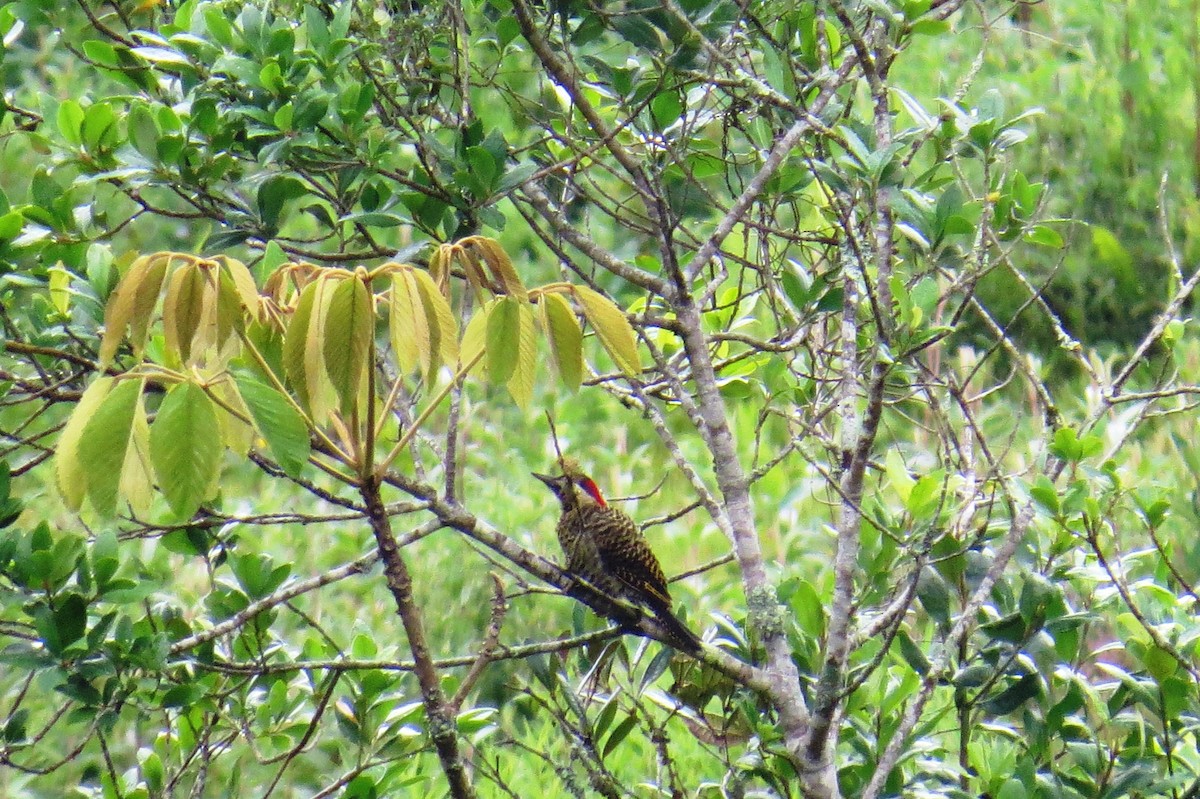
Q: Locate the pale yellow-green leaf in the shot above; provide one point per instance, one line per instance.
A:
(230, 320)
(294, 342)
(613, 329)
(439, 265)
(60, 285)
(137, 481)
(565, 337)
(474, 340)
(443, 328)
(244, 281)
(501, 265)
(236, 435)
(406, 323)
(170, 331)
(119, 309)
(69, 470)
(319, 389)
(899, 478)
(349, 325)
(208, 338)
(520, 385)
(183, 310)
(104, 443)
(144, 300)
(472, 268)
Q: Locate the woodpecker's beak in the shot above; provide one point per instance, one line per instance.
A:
(549, 481)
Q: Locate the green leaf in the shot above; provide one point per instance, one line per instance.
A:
(442, 326)
(143, 131)
(1012, 789)
(295, 343)
(520, 385)
(565, 337)
(898, 477)
(281, 425)
(105, 558)
(934, 595)
(185, 447)
(1046, 495)
(665, 109)
(912, 654)
(103, 444)
(1015, 695)
(503, 339)
(613, 328)
(406, 323)
(1010, 629)
(64, 624)
(273, 193)
(349, 325)
(69, 467)
(619, 734)
(70, 121)
(1045, 236)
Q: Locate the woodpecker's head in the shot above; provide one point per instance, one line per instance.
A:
(573, 488)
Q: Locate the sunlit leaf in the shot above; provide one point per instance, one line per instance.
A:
(349, 325)
(503, 339)
(613, 328)
(319, 388)
(296, 340)
(501, 266)
(242, 279)
(103, 444)
(565, 337)
(136, 486)
(183, 310)
(121, 306)
(281, 425)
(406, 323)
(185, 447)
(520, 385)
(236, 435)
(144, 301)
(474, 339)
(69, 468)
(443, 329)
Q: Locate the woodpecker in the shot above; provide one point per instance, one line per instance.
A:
(606, 548)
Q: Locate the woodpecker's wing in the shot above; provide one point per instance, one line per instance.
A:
(626, 555)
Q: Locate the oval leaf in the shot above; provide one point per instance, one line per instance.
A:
(443, 329)
(296, 340)
(144, 300)
(120, 308)
(613, 328)
(349, 323)
(520, 385)
(315, 371)
(183, 310)
(474, 338)
(566, 339)
(503, 339)
(104, 442)
(406, 323)
(185, 447)
(136, 485)
(69, 467)
(281, 426)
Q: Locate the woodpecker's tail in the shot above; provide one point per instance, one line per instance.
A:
(678, 635)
